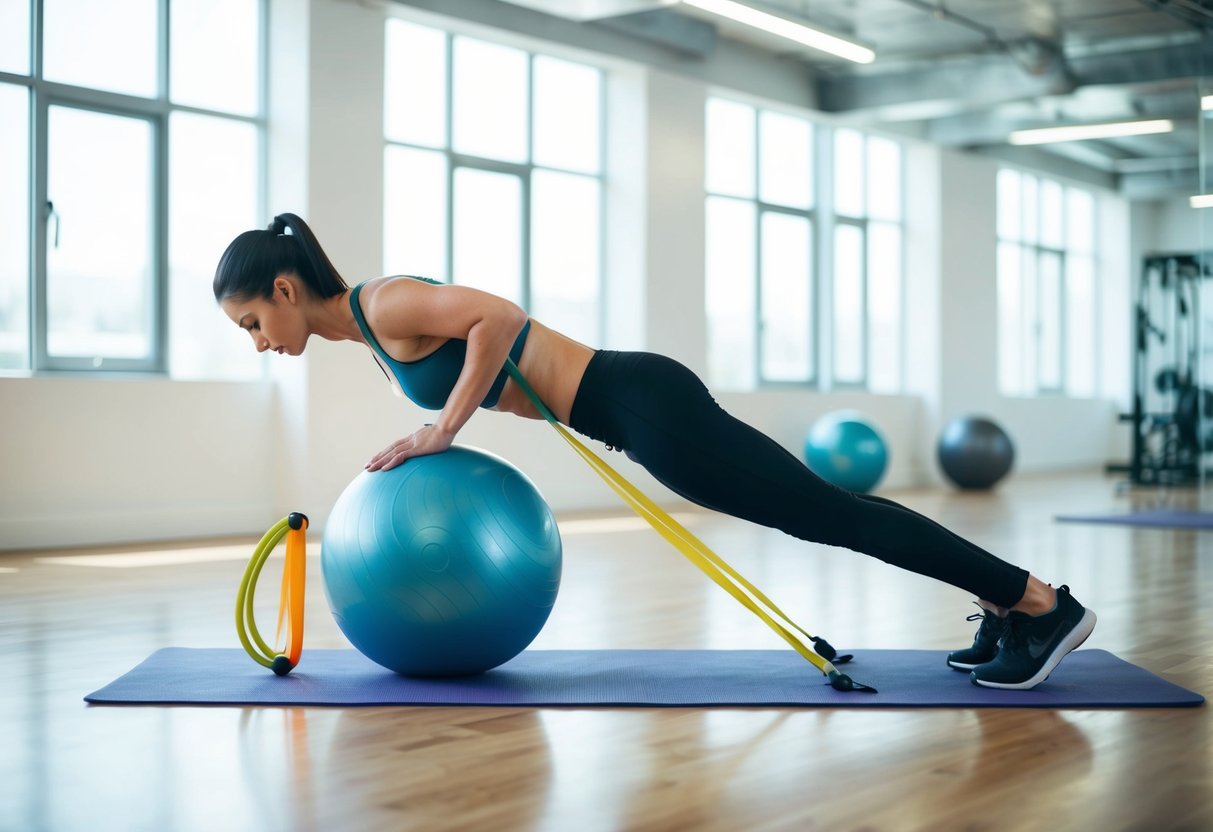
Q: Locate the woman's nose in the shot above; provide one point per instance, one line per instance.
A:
(262, 343)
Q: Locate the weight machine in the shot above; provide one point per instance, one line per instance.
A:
(1172, 412)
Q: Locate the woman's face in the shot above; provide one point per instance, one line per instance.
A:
(278, 324)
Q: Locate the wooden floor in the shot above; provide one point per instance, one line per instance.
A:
(72, 621)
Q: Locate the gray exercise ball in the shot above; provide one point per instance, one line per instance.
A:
(975, 452)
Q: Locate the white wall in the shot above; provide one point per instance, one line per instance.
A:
(1178, 227)
(103, 460)
(1049, 432)
(88, 461)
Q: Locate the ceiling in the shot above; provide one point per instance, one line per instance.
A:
(965, 73)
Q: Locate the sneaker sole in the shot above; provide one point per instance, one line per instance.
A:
(963, 665)
(1071, 642)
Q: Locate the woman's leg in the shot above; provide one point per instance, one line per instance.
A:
(668, 421)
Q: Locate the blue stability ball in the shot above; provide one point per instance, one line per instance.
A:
(447, 565)
(975, 452)
(843, 448)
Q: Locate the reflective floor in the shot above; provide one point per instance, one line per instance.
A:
(72, 621)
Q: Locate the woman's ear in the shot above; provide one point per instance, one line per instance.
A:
(286, 289)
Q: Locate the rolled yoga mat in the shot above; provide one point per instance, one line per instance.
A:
(675, 678)
(1157, 518)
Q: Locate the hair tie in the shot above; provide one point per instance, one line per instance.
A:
(278, 226)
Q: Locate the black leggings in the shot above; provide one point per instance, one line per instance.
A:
(663, 416)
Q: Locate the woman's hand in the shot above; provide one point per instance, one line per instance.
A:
(430, 439)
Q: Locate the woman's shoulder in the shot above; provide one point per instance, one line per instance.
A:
(386, 301)
(390, 289)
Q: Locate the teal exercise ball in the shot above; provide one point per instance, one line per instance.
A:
(845, 449)
(446, 565)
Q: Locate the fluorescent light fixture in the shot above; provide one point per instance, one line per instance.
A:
(813, 38)
(1201, 201)
(1078, 132)
(1206, 102)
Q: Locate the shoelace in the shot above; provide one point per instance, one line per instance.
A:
(998, 626)
(1013, 632)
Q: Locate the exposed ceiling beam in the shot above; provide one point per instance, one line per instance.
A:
(1142, 66)
(982, 81)
(685, 35)
(1156, 184)
(973, 82)
(1156, 164)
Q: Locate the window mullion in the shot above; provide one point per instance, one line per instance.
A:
(603, 221)
(40, 216)
(525, 208)
(159, 253)
(451, 158)
(759, 317)
(159, 197)
(864, 323)
(162, 52)
(36, 27)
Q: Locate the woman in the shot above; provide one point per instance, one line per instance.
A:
(446, 347)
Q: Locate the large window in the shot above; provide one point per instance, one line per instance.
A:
(1047, 309)
(760, 242)
(766, 304)
(493, 172)
(145, 161)
(866, 290)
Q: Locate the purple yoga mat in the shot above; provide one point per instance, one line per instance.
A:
(1158, 519)
(680, 678)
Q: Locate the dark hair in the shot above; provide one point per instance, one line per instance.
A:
(255, 258)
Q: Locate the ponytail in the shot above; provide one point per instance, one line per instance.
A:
(255, 258)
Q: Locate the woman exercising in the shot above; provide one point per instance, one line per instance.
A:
(446, 347)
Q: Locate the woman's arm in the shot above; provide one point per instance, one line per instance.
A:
(403, 309)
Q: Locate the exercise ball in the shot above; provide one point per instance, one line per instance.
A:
(446, 565)
(843, 448)
(975, 452)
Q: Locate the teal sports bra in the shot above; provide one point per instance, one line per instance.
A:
(428, 381)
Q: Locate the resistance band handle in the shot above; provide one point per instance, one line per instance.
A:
(294, 529)
(697, 552)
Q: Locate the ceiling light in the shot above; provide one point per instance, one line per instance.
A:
(1202, 201)
(813, 38)
(1078, 132)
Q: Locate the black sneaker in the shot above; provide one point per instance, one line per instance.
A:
(1035, 644)
(985, 643)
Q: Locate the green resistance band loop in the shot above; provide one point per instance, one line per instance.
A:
(695, 550)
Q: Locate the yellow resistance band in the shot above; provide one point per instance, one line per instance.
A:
(294, 529)
(696, 550)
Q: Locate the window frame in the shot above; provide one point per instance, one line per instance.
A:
(43, 95)
(811, 215)
(863, 221)
(524, 171)
(1037, 252)
(860, 223)
(824, 219)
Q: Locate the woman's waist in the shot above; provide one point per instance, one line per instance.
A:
(553, 365)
